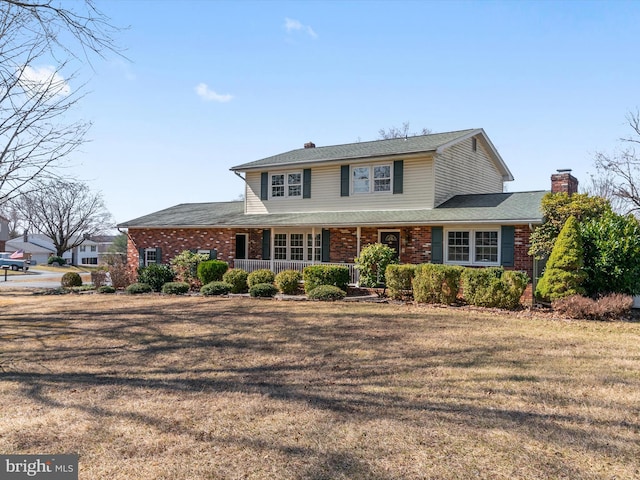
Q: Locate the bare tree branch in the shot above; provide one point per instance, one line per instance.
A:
(395, 132)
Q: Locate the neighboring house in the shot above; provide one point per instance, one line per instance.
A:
(433, 198)
(39, 248)
(4, 233)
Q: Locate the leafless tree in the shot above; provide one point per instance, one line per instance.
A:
(395, 132)
(39, 42)
(618, 173)
(66, 212)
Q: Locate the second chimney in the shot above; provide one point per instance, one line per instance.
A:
(563, 181)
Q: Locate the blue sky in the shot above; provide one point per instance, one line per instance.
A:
(213, 84)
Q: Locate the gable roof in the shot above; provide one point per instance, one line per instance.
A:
(499, 208)
(434, 142)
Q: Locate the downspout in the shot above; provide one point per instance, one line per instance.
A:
(245, 189)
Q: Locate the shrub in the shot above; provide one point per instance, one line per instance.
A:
(263, 290)
(493, 287)
(434, 283)
(611, 254)
(237, 278)
(98, 278)
(475, 281)
(564, 274)
(263, 275)
(288, 281)
(119, 272)
(372, 263)
(71, 279)
(399, 280)
(155, 275)
(175, 288)
(326, 293)
(55, 259)
(137, 288)
(216, 288)
(316, 275)
(212, 271)
(185, 267)
(106, 289)
(609, 307)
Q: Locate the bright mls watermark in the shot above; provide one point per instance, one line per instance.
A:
(49, 467)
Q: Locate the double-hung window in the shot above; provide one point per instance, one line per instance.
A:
(150, 256)
(371, 179)
(286, 185)
(297, 246)
(473, 247)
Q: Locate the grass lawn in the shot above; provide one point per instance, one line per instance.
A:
(158, 387)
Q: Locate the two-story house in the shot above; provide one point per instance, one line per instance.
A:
(433, 198)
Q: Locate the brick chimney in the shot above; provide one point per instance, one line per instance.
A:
(563, 181)
(309, 145)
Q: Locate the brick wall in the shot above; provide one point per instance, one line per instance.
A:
(522, 260)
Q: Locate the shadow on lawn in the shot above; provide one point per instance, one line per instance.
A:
(333, 364)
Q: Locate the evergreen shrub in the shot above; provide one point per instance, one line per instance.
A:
(211, 271)
(155, 275)
(435, 283)
(138, 288)
(264, 275)
(237, 278)
(71, 279)
(216, 288)
(106, 289)
(372, 263)
(316, 275)
(288, 281)
(175, 288)
(326, 293)
(263, 290)
(399, 280)
(55, 259)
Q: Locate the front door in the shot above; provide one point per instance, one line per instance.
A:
(241, 246)
(391, 239)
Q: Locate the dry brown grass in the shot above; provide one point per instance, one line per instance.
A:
(200, 388)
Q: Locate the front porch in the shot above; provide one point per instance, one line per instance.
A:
(278, 266)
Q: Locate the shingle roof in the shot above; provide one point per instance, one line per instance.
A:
(503, 208)
(377, 148)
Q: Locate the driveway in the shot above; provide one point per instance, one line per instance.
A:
(35, 278)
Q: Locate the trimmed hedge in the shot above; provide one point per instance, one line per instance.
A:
(399, 280)
(237, 278)
(493, 287)
(138, 288)
(175, 288)
(216, 288)
(71, 279)
(264, 275)
(435, 283)
(263, 290)
(317, 275)
(212, 271)
(288, 281)
(326, 293)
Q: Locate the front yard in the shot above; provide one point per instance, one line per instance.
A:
(160, 387)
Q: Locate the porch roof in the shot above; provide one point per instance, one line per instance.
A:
(496, 208)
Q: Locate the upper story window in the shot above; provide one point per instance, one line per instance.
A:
(83, 248)
(286, 185)
(371, 179)
(473, 247)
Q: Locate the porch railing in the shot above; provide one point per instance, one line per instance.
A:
(278, 266)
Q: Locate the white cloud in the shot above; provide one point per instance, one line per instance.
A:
(209, 95)
(292, 25)
(44, 79)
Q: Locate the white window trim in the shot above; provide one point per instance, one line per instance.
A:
(315, 249)
(472, 246)
(286, 184)
(146, 256)
(371, 166)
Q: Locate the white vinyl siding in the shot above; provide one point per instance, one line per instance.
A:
(461, 171)
(417, 191)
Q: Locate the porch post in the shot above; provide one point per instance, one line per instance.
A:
(271, 246)
(313, 245)
(358, 241)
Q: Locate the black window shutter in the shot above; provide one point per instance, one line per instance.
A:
(436, 245)
(141, 257)
(264, 186)
(266, 244)
(306, 183)
(326, 244)
(158, 255)
(213, 254)
(398, 176)
(344, 181)
(507, 245)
